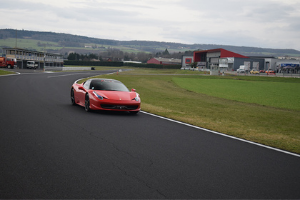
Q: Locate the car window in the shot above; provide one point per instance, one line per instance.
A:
(110, 85)
(86, 85)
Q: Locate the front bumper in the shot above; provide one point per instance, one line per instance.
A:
(114, 105)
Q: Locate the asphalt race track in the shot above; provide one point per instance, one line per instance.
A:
(51, 149)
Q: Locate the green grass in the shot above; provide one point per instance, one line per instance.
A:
(3, 72)
(268, 124)
(266, 93)
(33, 44)
(28, 44)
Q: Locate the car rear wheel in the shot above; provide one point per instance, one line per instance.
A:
(87, 104)
(72, 97)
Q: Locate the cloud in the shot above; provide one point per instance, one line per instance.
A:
(261, 23)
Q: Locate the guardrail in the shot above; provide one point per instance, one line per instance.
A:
(36, 58)
(67, 68)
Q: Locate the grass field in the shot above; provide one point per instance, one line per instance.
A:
(33, 44)
(223, 104)
(28, 44)
(266, 93)
(3, 72)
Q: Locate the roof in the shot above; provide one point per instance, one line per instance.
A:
(224, 53)
(31, 51)
(168, 60)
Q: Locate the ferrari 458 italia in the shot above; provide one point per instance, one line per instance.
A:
(105, 94)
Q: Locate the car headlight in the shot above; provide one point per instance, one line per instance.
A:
(137, 98)
(98, 96)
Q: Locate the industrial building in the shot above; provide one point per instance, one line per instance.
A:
(226, 60)
(41, 59)
(282, 65)
(223, 60)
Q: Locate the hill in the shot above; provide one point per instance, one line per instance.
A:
(63, 43)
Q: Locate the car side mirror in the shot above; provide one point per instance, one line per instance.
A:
(133, 90)
(81, 88)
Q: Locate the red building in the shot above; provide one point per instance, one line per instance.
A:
(213, 54)
(203, 56)
(223, 59)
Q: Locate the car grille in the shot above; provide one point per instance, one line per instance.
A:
(118, 107)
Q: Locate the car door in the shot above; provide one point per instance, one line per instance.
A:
(81, 91)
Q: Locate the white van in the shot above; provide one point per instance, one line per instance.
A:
(31, 65)
(241, 69)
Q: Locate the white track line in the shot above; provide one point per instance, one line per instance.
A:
(222, 134)
(66, 75)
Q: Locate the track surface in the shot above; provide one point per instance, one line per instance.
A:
(51, 149)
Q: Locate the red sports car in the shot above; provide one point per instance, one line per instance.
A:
(105, 94)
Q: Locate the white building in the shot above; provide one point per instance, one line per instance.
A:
(186, 62)
(40, 58)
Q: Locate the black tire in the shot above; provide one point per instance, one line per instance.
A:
(72, 97)
(8, 66)
(87, 104)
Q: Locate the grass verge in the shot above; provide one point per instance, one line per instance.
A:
(175, 94)
(3, 72)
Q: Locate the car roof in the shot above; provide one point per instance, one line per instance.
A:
(105, 79)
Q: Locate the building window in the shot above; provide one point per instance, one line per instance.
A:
(188, 60)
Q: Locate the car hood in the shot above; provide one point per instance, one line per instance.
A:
(116, 95)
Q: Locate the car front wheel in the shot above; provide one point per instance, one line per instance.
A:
(87, 104)
(72, 97)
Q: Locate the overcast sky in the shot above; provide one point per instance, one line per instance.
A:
(255, 23)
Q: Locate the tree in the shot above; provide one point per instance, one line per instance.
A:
(73, 56)
(158, 54)
(193, 64)
(166, 52)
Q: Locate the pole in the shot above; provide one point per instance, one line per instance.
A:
(16, 38)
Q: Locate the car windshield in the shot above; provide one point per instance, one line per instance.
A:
(110, 85)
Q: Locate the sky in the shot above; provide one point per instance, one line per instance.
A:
(253, 23)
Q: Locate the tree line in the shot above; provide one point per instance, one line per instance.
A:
(117, 55)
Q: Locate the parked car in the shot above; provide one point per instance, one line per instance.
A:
(270, 72)
(262, 71)
(240, 71)
(254, 71)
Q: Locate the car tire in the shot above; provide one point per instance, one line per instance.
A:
(72, 97)
(87, 103)
(8, 66)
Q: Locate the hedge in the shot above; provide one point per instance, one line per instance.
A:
(93, 63)
(120, 64)
(142, 65)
